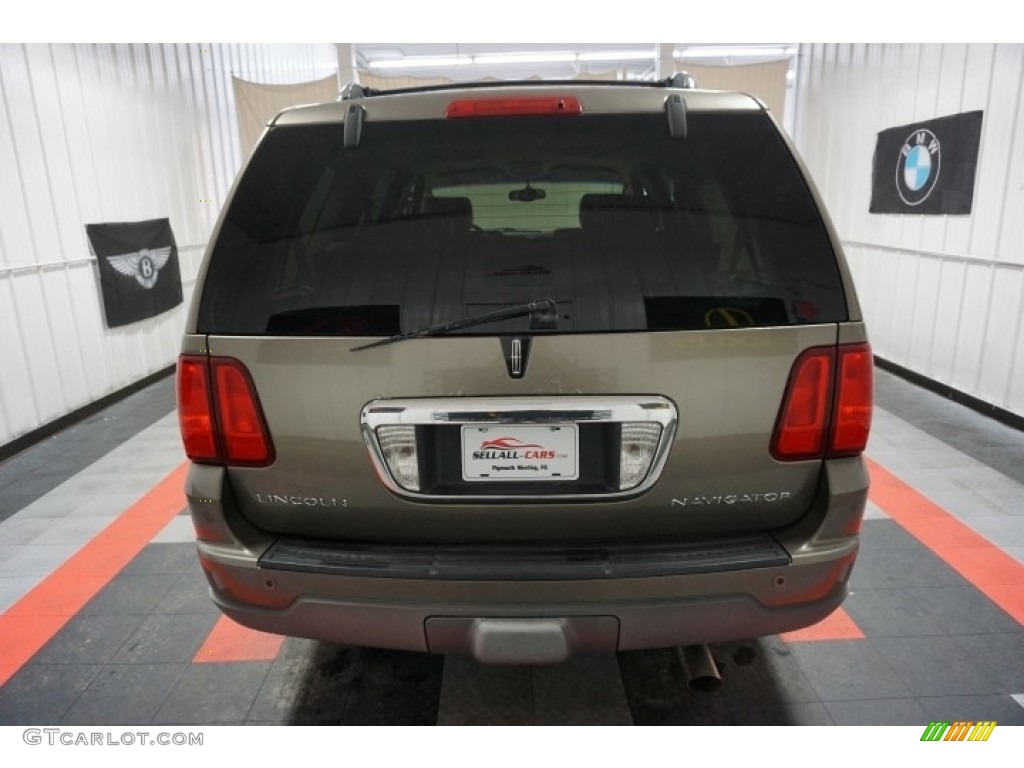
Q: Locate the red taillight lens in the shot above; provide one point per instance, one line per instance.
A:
(854, 399)
(195, 416)
(827, 406)
(219, 413)
(245, 436)
(538, 105)
(803, 421)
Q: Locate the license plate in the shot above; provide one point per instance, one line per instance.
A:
(520, 453)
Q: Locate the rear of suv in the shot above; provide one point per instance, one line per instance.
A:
(524, 370)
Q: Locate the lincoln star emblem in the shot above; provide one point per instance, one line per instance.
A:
(517, 352)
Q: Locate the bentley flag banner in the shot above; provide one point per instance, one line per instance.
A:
(927, 167)
(139, 273)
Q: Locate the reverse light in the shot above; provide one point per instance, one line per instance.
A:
(531, 105)
(826, 410)
(638, 445)
(219, 413)
(398, 447)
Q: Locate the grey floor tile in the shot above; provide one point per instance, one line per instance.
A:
(846, 670)
(190, 593)
(388, 687)
(1017, 552)
(22, 530)
(104, 503)
(125, 694)
(978, 436)
(963, 610)
(890, 613)
(1002, 656)
(88, 640)
(594, 678)
(73, 530)
(13, 502)
(12, 590)
(1003, 709)
(882, 568)
(161, 558)
(878, 712)
(36, 560)
(283, 690)
(873, 512)
(214, 693)
(166, 638)
(40, 694)
(936, 666)
(485, 694)
(130, 593)
(178, 530)
(885, 534)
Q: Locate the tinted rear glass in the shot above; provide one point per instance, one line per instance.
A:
(425, 222)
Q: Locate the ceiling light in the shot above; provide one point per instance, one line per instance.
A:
(415, 62)
(525, 58)
(617, 56)
(727, 52)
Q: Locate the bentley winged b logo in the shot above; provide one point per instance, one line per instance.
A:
(144, 265)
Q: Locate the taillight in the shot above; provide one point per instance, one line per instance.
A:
(826, 410)
(220, 415)
(195, 414)
(852, 420)
(531, 105)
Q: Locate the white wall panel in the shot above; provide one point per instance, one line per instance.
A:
(95, 133)
(942, 295)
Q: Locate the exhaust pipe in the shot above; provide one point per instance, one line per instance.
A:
(700, 668)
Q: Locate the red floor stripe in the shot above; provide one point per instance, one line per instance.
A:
(230, 641)
(997, 575)
(30, 623)
(837, 626)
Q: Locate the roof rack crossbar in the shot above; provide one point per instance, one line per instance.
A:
(358, 91)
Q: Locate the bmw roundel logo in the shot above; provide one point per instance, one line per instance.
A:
(918, 166)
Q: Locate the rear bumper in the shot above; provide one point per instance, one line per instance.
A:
(541, 611)
(609, 626)
(545, 620)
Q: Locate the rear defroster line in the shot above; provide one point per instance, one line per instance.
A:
(31, 622)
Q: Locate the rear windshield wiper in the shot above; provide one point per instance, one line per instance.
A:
(543, 316)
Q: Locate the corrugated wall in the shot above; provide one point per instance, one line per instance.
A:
(943, 295)
(97, 133)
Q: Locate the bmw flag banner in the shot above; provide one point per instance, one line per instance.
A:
(139, 272)
(927, 167)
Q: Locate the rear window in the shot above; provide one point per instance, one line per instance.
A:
(625, 228)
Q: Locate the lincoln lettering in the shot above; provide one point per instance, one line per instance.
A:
(300, 501)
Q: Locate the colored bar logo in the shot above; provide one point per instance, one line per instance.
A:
(961, 730)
